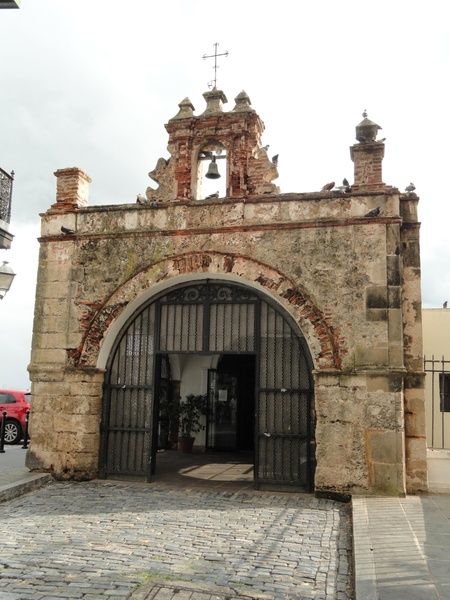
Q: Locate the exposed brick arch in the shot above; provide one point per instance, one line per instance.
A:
(323, 339)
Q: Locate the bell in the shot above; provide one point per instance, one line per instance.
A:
(213, 171)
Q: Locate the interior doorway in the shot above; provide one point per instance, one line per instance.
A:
(231, 401)
(245, 363)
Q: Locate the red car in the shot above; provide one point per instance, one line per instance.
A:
(15, 403)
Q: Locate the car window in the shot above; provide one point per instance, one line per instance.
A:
(7, 399)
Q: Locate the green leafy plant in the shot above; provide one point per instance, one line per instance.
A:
(191, 410)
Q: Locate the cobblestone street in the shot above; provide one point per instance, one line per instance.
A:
(103, 539)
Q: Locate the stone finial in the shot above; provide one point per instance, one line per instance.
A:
(186, 110)
(243, 103)
(367, 130)
(214, 100)
(72, 188)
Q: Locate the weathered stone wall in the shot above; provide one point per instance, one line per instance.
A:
(334, 269)
(344, 264)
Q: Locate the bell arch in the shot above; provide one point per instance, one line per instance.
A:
(210, 176)
(211, 318)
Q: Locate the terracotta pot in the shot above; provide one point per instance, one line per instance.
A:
(185, 444)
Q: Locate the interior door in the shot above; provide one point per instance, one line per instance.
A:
(222, 411)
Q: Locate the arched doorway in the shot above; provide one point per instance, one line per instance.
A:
(251, 347)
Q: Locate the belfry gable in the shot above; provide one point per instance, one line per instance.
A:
(216, 144)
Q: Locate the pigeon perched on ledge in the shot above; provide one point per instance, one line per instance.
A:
(66, 230)
(374, 213)
(410, 188)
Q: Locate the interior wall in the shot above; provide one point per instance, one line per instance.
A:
(193, 370)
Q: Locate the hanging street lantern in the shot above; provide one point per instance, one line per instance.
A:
(6, 278)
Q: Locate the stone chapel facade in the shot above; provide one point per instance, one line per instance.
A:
(317, 294)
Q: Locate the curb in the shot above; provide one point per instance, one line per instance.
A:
(23, 486)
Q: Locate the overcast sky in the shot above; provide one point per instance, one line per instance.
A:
(90, 83)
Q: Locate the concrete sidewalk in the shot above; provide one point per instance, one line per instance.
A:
(402, 547)
(15, 478)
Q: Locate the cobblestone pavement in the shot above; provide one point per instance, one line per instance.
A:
(101, 539)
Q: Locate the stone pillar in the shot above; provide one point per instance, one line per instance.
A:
(367, 159)
(72, 189)
(359, 432)
(367, 156)
(414, 395)
(64, 425)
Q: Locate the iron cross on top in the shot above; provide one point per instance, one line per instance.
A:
(215, 55)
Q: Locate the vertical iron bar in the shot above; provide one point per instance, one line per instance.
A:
(149, 378)
(223, 309)
(443, 403)
(25, 437)
(247, 345)
(190, 313)
(174, 325)
(152, 446)
(198, 309)
(282, 385)
(275, 373)
(309, 478)
(432, 400)
(291, 404)
(167, 308)
(2, 432)
(256, 411)
(266, 414)
(238, 347)
(206, 318)
(216, 327)
(129, 403)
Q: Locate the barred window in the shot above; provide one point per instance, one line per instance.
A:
(444, 391)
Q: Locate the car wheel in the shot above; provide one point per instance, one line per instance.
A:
(13, 432)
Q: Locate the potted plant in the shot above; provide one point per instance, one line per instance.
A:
(191, 410)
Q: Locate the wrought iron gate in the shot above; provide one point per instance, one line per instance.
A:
(437, 401)
(211, 317)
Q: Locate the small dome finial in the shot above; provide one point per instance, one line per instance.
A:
(243, 103)
(366, 131)
(186, 110)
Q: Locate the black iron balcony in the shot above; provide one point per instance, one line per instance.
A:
(6, 185)
(9, 3)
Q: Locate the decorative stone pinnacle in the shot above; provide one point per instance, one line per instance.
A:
(367, 130)
(214, 100)
(243, 103)
(186, 110)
